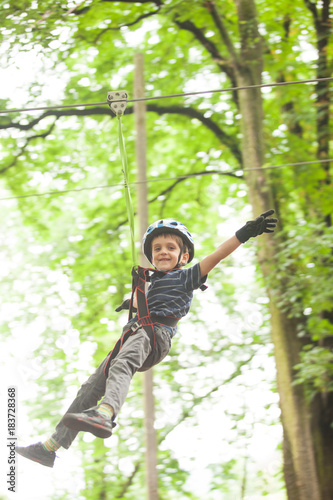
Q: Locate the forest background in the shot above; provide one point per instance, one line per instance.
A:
(244, 404)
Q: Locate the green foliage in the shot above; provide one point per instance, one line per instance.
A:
(304, 266)
(81, 237)
(315, 370)
(172, 478)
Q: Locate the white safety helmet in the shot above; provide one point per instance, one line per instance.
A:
(167, 226)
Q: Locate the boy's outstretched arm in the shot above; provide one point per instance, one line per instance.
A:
(209, 262)
(262, 224)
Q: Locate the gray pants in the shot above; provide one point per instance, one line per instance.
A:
(135, 355)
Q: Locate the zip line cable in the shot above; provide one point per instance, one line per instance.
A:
(185, 94)
(122, 147)
(238, 172)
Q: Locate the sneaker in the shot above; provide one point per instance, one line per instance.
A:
(90, 421)
(37, 453)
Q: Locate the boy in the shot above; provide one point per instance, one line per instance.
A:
(168, 246)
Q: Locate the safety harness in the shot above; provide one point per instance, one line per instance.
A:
(140, 276)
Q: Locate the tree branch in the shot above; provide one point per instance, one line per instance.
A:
(143, 16)
(312, 8)
(210, 46)
(182, 179)
(156, 2)
(74, 8)
(198, 400)
(193, 174)
(224, 65)
(29, 139)
(228, 141)
(58, 113)
(84, 10)
(326, 11)
(211, 7)
(129, 480)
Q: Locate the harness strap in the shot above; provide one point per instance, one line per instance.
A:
(164, 320)
(140, 276)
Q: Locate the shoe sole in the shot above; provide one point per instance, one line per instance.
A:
(78, 424)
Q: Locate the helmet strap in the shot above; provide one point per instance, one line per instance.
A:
(180, 256)
(178, 265)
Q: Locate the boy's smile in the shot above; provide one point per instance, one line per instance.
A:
(165, 253)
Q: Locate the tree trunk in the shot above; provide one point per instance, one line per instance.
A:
(299, 457)
(322, 404)
(323, 27)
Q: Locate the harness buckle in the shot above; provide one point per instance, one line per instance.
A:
(117, 101)
(135, 326)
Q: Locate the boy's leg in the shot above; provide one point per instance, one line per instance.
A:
(128, 361)
(130, 358)
(88, 395)
(135, 354)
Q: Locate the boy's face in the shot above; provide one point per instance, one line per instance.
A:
(165, 253)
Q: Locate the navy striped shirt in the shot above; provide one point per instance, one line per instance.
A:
(171, 294)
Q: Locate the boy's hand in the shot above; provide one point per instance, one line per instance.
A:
(261, 224)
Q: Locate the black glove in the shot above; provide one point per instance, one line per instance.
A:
(125, 305)
(258, 226)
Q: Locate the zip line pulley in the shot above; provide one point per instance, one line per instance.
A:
(117, 101)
